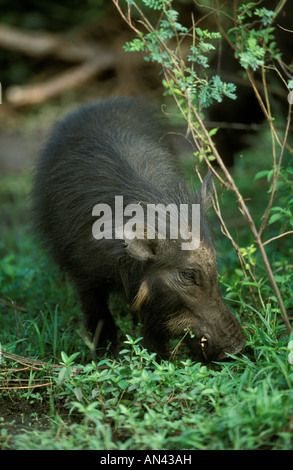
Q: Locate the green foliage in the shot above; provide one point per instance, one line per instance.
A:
(138, 403)
(153, 4)
(254, 39)
(253, 56)
(202, 90)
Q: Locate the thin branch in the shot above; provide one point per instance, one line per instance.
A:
(13, 305)
(279, 8)
(276, 173)
(278, 236)
(226, 232)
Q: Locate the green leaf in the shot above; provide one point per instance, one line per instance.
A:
(136, 45)
(260, 174)
(213, 131)
(123, 384)
(274, 218)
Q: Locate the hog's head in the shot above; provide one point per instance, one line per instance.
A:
(179, 295)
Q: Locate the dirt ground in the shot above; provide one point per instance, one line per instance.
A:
(20, 416)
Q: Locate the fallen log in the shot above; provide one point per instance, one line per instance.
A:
(91, 59)
(72, 77)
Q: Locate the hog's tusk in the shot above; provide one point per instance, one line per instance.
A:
(204, 346)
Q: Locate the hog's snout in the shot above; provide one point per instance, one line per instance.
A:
(207, 349)
(212, 352)
(216, 341)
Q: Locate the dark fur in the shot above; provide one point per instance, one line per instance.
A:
(118, 147)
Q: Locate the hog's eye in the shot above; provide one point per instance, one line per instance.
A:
(188, 276)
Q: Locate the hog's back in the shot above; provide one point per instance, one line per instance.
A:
(108, 148)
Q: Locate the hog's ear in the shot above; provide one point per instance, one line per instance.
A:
(204, 194)
(137, 245)
(141, 249)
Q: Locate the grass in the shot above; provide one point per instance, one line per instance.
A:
(131, 401)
